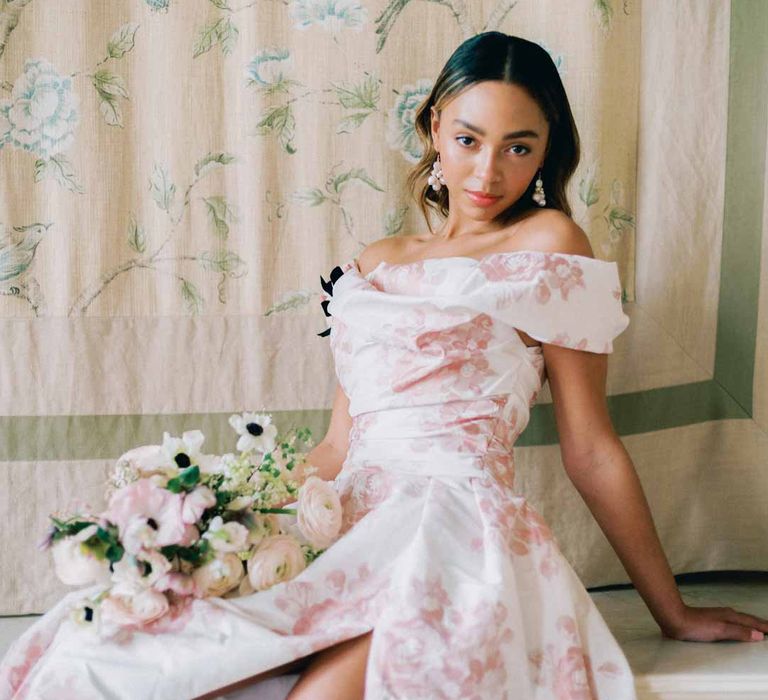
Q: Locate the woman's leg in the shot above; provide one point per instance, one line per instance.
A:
(337, 672)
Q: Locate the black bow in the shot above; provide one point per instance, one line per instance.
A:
(336, 272)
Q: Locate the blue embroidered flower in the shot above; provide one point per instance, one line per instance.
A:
(336, 273)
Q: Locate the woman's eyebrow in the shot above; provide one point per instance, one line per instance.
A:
(510, 135)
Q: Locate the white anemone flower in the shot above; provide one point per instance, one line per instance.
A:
(256, 431)
(184, 451)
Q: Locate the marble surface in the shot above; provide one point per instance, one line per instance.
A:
(665, 669)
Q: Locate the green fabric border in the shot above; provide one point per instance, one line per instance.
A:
(727, 396)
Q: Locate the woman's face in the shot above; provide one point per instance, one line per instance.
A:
(481, 150)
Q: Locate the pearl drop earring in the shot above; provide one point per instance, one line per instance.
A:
(436, 179)
(538, 193)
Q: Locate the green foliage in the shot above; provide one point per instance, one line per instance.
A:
(161, 188)
(191, 296)
(186, 480)
(137, 238)
(122, 41)
(60, 169)
(212, 161)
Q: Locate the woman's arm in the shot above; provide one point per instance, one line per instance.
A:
(603, 473)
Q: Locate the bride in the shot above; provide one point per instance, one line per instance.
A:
(445, 582)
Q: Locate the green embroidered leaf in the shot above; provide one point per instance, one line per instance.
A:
(351, 122)
(58, 167)
(136, 237)
(394, 219)
(292, 300)
(228, 34)
(338, 182)
(364, 95)
(311, 196)
(604, 12)
(161, 188)
(222, 32)
(212, 161)
(111, 111)
(191, 296)
(207, 38)
(279, 120)
(219, 213)
(619, 218)
(226, 261)
(109, 84)
(588, 191)
(122, 41)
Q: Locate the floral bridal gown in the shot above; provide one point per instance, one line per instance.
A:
(458, 576)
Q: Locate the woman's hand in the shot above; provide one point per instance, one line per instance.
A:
(712, 624)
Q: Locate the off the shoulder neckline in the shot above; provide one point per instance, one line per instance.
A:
(477, 261)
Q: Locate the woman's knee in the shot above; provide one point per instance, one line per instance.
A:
(337, 672)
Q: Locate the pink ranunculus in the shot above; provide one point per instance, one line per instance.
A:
(181, 584)
(77, 567)
(278, 558)
(195, 503)
(136, 609)
(144, 499)
(219, 575)
(319, 512)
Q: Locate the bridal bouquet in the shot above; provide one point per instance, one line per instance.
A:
(181, 524)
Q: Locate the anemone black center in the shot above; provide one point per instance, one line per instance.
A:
(254, 429)
(183, 460)
(152, 523)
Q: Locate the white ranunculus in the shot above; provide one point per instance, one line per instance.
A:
(278, 558)
(219, 575)
(319, 513)
(227, 537)
(77, 567)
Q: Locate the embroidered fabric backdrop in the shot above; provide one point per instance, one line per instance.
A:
(176, 176)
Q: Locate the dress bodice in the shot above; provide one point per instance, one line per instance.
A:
(429, 354)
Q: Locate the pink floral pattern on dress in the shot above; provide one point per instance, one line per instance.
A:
(516, 525)
(566, 669)
(553, 272)
(364, 489)
(26, 658)
(322, 606)
(442, 647)
(448, 361)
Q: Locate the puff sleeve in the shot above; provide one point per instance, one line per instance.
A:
(569, 300)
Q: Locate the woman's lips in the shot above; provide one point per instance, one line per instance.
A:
(483, 201)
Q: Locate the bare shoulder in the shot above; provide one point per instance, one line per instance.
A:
(382, 249)
(552, 231)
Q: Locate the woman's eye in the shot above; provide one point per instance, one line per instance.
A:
(517, 145)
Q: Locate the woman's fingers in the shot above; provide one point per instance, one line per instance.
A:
(753, 621)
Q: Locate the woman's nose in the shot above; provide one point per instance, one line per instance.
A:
(487, 169)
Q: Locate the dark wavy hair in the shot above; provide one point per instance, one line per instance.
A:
(497, 56)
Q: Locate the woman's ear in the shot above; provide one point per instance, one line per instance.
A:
(435, 127)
